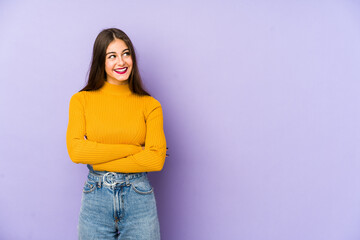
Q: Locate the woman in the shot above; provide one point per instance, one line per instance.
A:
(116, 128)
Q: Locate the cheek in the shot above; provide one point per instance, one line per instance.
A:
(129, 62)
(108, 67)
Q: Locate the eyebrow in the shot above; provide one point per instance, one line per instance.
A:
(115, 52)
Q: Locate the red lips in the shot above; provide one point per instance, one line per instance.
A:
(121, 72)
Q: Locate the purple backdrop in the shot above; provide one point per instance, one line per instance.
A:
(261, 114)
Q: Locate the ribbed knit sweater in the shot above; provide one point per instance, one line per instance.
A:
(108, 126)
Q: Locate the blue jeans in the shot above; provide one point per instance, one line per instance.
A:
(118, 206)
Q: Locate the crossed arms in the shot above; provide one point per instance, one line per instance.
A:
(116, 157)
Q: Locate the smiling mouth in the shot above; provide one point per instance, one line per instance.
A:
(121, 70)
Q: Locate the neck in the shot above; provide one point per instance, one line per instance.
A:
(115, 82)
(115, 89)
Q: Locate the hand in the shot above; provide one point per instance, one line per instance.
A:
(167, 155)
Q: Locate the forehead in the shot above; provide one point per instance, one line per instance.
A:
(116, 45)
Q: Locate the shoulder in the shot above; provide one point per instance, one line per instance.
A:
(151, 102)
(152, 105)
(78, 94)
(77, 98)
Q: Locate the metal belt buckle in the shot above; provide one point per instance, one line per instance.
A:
(105, 179)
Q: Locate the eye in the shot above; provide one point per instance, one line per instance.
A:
(127, 53)
(111, 56)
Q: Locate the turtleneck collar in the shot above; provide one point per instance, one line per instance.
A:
(120, 90)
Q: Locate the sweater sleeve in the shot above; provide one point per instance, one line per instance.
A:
(85, 151)
(151, 158)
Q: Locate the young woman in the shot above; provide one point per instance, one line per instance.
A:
(116, 128)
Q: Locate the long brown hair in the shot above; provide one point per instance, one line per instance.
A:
(97, 74)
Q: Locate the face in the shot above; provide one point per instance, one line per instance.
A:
(118, 62)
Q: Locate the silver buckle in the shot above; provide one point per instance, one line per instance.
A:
(105, 179)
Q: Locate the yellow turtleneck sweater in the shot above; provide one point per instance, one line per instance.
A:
(107, 128)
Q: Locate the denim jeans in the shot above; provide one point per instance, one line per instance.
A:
(118, 206)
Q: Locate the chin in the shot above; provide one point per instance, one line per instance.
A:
(122, 79)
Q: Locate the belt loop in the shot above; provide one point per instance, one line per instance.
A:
(99, 182)
(127, 181)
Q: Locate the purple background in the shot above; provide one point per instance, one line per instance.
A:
(261, 114)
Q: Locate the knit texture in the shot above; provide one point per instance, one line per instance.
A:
(108, 126)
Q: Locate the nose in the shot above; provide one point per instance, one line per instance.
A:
(120, 61)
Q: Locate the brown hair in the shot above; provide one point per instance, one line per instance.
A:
(97, 74)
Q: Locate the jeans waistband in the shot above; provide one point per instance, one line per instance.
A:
(112, 178)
